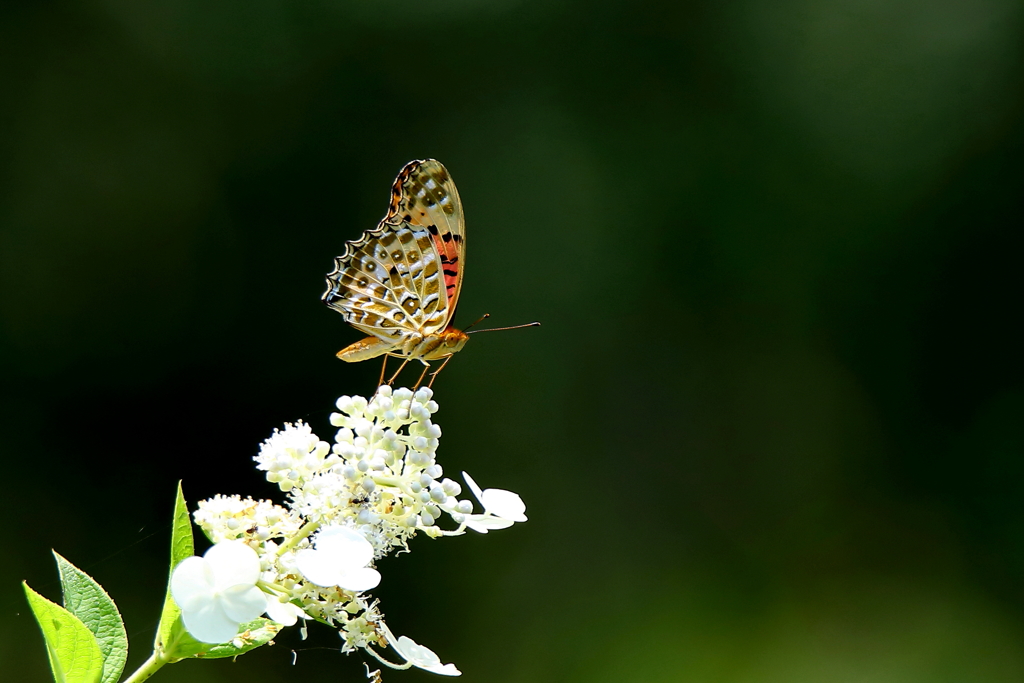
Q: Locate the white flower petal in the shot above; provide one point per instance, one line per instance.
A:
(191, 581)
(474, 488)
(284, 613)
(217, 592)
(209, 624)
(360, 579)
(317, 567)
(423, 657)
(339, 559)
(415, 653)
(243, 603)
(443, 669)
(498, 502)
(483, 523)
(448, 669)
(347, 545)
(504, 504)
(418, 655)
(233, 562)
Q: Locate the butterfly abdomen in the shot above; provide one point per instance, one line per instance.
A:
(365, 349)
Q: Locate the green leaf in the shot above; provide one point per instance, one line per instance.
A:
(182, 547)
(75, 656)
(181, 645)
(87, 600)
(251, 636)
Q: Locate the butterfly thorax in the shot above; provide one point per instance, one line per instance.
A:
(433, 346)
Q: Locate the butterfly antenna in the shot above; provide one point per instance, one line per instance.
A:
(485, 316)
(511, 327)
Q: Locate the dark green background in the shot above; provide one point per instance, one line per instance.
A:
(771, 429)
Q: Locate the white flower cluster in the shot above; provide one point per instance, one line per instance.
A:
(348, 504)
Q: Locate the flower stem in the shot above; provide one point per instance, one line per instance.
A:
(276, 587)
(148, 668)
(306, 530)
(383, 661)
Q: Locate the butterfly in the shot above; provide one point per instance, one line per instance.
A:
(400, 282)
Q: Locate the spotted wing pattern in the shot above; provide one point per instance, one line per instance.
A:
(404, 276)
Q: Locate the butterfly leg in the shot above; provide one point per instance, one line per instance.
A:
(399, 370)
(422, 375)
(383, 367)
(435, 373)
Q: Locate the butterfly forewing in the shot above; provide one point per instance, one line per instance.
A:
(404, 276)
(424, 195)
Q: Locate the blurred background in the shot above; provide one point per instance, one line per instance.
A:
(770, 430)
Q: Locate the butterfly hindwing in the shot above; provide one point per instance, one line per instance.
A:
(367, 286)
